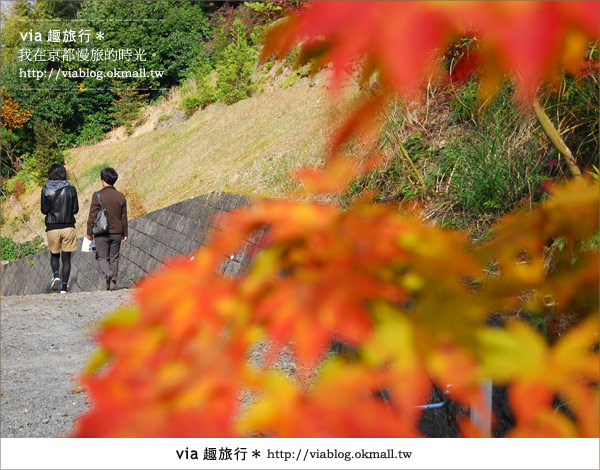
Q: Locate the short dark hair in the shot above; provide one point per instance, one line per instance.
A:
(57, 172)
(109, 175)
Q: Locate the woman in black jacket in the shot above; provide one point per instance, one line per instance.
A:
(59, 204)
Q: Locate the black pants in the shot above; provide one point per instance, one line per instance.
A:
(107, 253)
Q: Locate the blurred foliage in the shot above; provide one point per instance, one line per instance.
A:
(414, 305)
(413, 299)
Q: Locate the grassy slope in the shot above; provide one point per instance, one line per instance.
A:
(247, 147)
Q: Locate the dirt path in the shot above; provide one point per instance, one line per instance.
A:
(46, 340)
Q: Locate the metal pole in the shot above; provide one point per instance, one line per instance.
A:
(482, 418)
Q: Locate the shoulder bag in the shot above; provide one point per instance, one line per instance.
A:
(101, 223)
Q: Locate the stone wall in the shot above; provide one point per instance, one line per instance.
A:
(174, 230)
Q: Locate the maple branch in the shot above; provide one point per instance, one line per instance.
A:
(555, 137)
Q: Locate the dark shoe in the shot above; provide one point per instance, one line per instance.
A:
(55, 282)
(63, 288)
(109, 282)
(113, 285)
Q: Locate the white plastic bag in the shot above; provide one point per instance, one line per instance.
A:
(88, 245)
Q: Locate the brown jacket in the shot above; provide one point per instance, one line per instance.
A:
(116, 210)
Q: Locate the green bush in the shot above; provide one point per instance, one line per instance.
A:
(128, 106)
(46, 151)
(290, 81)
(28, 169)
(488, 163)
(12, 250)
(234, 70)
(204, 95)
(190, 104)
(26, 179)
(297, 75)
(93, 129)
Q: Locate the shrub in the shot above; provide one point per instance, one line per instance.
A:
(26, 179)
(489, 162)
(12, 250)
(204, 95)
(46, 151)
(15, 186)
(128, 106)
(234, 70)
(29, 170)
(190, 104)
(93, 129)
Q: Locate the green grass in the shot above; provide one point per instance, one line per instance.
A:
(233, 148)
(90, 176)
(483, 160)
(12, 250)
(94, 171)
(486, 175)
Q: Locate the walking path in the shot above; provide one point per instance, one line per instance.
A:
(46, 340)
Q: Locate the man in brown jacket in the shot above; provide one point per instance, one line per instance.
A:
(108, 245)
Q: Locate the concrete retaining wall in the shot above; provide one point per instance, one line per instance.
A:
(174, 230)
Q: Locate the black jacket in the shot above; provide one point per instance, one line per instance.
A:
(60, 207)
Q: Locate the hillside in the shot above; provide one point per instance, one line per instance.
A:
(248, 147)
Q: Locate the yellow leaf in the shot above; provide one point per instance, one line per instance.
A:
(547, 423)
(393, 339)
(573, 352)
(172, 373)
(519, 351)
(128, 315)
(98, 359)
(278, 396)
(266, 265)
(413, 282)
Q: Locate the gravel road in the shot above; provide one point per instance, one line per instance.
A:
(46, 341)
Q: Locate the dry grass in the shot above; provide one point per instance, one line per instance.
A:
(248, 147)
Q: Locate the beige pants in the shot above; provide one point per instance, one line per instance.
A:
(62, 239)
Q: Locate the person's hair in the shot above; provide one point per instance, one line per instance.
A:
(109, 175)
(57, 172)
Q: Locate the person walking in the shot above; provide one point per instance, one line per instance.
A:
(59, 204)
(108, 245)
